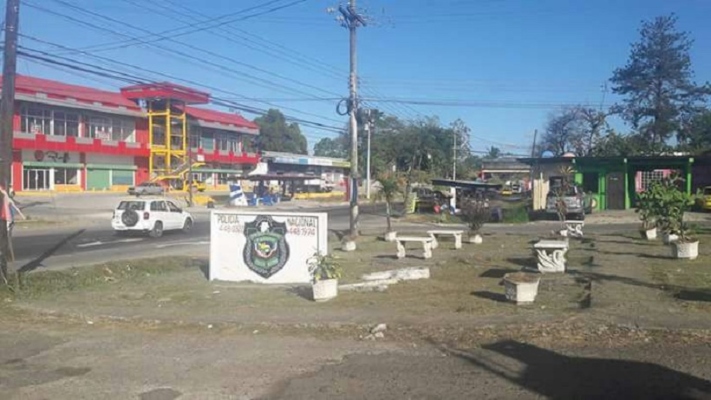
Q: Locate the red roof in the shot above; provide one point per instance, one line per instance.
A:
(59, 90)
(165, 90)
(219, 117)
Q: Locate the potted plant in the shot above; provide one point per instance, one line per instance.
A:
(647, 210)
(475, 213)
(521, 287)
(685, 247)
(389, 188)
(671, 203)
(325, 272)
(349, 243)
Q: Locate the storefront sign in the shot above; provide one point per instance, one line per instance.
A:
(265, 247)
(52, 156)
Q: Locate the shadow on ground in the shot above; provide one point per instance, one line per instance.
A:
(557, 376)
(37, 262)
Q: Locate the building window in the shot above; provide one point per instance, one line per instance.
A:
(223, 178)
(591, 183)
(194, 140)
(649, 177)
(109, 128)
(207, 141)
(66, 123)
(36, 120)
(66, 176)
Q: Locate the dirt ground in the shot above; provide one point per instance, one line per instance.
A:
(626, 320)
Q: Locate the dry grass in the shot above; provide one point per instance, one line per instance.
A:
(620, 277)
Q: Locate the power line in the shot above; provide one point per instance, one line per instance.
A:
(175, 31)
(133, 79)
(474, 104)
(290, 54)
(172, 53)
(282, 52)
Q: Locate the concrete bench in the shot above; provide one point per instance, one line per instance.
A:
(457, 234)
(426, 245)
(574, 228)
(551, 255)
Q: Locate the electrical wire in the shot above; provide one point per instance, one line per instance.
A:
(134, 79)
(175, 32)
(172, 52)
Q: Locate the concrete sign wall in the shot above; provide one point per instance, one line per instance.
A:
(265, 247)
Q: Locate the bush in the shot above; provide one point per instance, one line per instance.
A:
(475, 213)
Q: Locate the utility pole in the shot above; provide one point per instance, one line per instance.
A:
(454, 157)
(352, 20)
(369, 126)
(7, 111)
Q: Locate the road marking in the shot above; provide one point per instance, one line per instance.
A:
(161, 246)
(129, 240)
(90, 244)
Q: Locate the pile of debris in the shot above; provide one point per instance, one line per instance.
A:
(379, 281)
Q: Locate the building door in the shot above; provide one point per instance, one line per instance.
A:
(36, 179)
(98, 179)
(616, 191)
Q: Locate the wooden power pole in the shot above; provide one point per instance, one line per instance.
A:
(352, 20)
(7, 111)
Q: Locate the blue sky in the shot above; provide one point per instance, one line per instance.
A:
(505, 64)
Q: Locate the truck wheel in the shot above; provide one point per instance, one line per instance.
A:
(129, 218)
(157, 230)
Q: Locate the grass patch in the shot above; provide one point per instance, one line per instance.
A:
(515, 215)
(41, 283)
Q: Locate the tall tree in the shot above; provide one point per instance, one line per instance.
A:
(696, 133)
(330, 147)
(657, 82)
(564, 132)
(493, 153)
(275, 134)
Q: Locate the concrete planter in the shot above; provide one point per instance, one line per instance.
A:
(669, 238)
(649, 234)
(476, 239)
(390, 236)
(521, 287)
(348, 245)
(685, 250)
(325, 290)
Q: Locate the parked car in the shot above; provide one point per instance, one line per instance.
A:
(574, 200)
(704, 201)
(150, 215)
(146, 188)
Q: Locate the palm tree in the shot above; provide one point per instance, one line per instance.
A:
(389, 188)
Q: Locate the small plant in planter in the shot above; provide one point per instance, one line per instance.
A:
(389, 188)
(648, 212)
(671, 204)
(521, 287)
(475, 213)
(349, 243)
(686, 247)
(325, 271)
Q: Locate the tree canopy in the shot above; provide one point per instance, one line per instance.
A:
(657, 83)
(275, 134)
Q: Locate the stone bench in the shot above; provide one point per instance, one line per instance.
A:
(551, 255)
(426, 245)
(574, 228)
(457, 234)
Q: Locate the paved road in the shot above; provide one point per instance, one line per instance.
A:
(95, 243)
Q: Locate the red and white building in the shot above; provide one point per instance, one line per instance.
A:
(76, 138)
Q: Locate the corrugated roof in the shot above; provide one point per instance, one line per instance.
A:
(219, 117)
(54, 89)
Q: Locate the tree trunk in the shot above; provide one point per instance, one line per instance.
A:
(387, 215)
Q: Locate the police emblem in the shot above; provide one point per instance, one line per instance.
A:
(266, 251)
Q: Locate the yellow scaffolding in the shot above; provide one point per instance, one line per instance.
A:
(169, 155)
